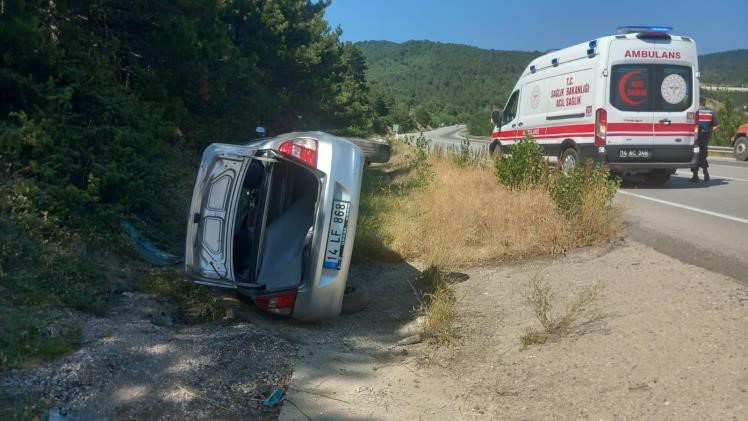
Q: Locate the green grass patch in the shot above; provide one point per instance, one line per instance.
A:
(41, 268)
(189, 302)
(28, 336)
(438, 306)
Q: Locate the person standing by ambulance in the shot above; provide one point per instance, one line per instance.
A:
(707, 123)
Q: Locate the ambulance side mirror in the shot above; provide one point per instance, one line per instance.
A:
(496, 118)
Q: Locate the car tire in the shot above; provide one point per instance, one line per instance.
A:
(657, 177)
(355, 298)
(494, 149)
(375, 151)
(741, 148)
(569, 159)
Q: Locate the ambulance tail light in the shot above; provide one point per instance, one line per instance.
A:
(303, 149)
(601, 127)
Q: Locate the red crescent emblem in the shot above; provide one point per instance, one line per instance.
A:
(622, 88)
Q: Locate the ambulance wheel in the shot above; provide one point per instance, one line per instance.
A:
(657, 177)
(355, 298)
(494, 149)
(569, 159)
(374, 150)
(741, 148)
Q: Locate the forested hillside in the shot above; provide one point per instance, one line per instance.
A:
(442, 83)
(726, 68)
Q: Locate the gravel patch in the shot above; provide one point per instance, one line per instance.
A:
(138, 363)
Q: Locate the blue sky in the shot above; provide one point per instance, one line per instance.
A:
(537, 25)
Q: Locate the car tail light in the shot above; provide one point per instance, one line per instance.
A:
(303, 149)
(601, 126)
(280, 303)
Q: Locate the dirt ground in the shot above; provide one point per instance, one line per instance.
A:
(672, 345)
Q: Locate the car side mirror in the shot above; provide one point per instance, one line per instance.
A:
(496, 118)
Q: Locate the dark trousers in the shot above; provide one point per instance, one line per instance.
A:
(703, 153)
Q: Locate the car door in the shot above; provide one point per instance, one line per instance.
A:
(211, 219)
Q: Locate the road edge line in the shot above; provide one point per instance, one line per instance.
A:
(686, 207)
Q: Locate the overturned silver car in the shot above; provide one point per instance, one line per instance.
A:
(275, 219)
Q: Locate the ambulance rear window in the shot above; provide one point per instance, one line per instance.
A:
(630, 88)
(675, 87)
(651, 87)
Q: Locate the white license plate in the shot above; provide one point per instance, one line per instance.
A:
(634, 153)
(336, 235)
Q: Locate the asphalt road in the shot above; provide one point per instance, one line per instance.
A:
(705, 224)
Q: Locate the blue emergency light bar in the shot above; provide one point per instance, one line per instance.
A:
(643, 28)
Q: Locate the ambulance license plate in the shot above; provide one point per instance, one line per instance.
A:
(633, 153)
(337, 233)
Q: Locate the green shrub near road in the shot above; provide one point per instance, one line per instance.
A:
(578, 193)
(525, 167)
(729, 117)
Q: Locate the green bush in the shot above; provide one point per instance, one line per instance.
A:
(463, 158)
(479, 123)
(729, 118)
(27, 334)
(568, 189)
(588, 183)
(524, 167)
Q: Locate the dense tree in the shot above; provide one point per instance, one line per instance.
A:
(101, 98)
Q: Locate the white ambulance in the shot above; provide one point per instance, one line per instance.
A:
(628, 100)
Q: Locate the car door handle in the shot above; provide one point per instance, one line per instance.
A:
(665, 121)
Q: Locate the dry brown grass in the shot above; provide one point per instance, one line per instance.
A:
(465, 217)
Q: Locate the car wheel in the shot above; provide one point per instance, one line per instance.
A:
(355, 298)
(741, 148)
(569, 159)
(494, 149)
(657, 177)
(374, 150)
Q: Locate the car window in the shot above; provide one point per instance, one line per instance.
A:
(510, 110)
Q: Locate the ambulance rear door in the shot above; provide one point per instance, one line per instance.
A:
(630, 96)
(674, 103)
